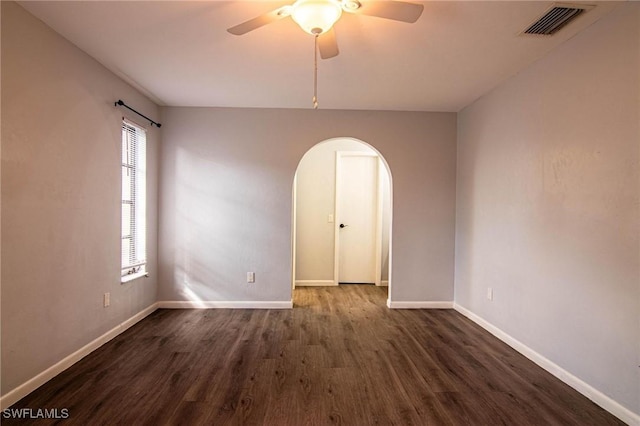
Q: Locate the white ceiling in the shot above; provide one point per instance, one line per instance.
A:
(180, 54)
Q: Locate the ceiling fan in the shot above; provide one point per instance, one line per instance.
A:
(317, 17)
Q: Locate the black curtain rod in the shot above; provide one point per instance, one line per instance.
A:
(121, 103)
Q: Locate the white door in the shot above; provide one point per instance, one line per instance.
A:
(357, 217)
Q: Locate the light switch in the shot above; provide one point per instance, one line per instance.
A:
(330, 218)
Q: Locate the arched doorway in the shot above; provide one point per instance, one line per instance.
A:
(321, 252)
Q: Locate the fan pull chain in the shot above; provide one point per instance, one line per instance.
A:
(315, 73)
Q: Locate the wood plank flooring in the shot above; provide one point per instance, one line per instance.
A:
(340, 357)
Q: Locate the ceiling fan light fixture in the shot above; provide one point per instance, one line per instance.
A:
(316, 16)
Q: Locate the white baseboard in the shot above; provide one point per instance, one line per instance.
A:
(584, 388)
(419, 305)
(384, 283)
(233, 304)
(34, 383)
(315, 283)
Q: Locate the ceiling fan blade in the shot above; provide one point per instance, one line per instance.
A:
(396, 10)
(258, 22)
(327, 44)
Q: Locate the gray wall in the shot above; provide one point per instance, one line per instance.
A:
(61, 138)
(547, 206)
(226, 186)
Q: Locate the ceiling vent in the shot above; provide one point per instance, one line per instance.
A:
(556, 18)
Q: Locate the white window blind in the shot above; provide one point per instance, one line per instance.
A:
(134, 188)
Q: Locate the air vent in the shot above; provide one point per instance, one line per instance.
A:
(556, 18)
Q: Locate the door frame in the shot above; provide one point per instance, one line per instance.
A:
(336, 215)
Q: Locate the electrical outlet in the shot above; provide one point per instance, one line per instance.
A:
(251, 277)
(489, 293)
(107, 300)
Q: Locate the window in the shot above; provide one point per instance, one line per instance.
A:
(134, 188)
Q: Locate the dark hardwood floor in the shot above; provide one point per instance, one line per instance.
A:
(339, 357)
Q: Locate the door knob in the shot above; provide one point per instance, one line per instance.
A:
(342, 225)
